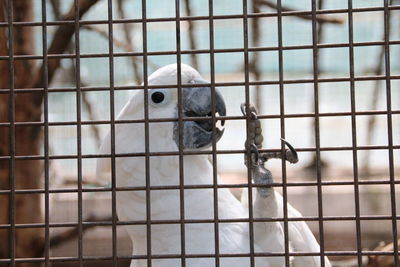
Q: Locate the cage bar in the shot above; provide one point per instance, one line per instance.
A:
(281, 81)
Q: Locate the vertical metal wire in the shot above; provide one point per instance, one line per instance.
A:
(11, 117)
(248, 152)
(46, 137)
(78, 131)
(317, 132)
(214, 146)
(112, 132)
(146, 133)
(282, 124)
(180, 126)
(146, 117)
(390, 130)
(354, 131)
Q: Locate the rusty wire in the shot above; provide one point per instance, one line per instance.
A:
(387, 77)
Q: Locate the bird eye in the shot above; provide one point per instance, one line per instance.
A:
(157, 97)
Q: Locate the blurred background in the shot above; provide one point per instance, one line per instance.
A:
(297, 64)
(228, 33)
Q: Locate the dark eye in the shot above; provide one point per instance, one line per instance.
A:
(157, 97)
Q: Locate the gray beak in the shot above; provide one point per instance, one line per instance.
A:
(197, 103)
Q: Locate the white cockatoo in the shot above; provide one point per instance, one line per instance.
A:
(199, 238)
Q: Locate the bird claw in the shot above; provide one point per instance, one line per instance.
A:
(255, 139)
(290, 154)
(254, 125)
(262, 177)
(253, 111)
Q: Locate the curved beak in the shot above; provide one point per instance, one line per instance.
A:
(197, 101)
(197, 104)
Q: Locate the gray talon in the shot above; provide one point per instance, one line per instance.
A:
(291, 153)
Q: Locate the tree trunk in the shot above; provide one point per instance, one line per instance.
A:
(29, 242)
(27, 138)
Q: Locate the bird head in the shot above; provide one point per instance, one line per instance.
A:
(196, 130)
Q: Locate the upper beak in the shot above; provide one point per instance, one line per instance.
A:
(197, 103)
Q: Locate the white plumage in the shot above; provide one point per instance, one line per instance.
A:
(198, 203)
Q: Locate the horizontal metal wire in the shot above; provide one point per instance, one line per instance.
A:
(222, 255)
(200, 51)
(226, 118)
(221, 84)
(201, 221)
(205, 18)
(172, 153)
(198, 186)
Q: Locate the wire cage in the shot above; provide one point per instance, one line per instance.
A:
(323, 75)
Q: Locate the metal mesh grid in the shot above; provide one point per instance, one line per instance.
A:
(75, 24)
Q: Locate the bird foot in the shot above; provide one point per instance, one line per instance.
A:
(263, 179)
